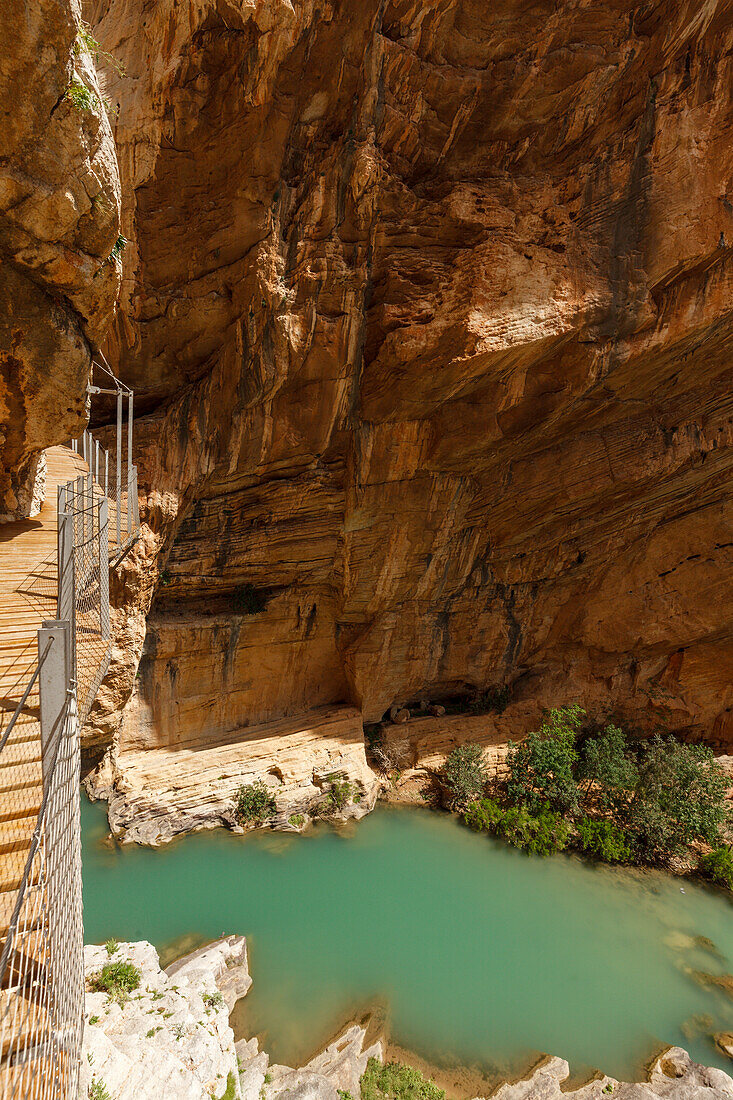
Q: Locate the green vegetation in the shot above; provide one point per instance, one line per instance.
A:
(117, 979)
(85, 40)
(213, 1000)
(118, 248)
(463, 776)
(98, 1090)
(230, 1091)
(93, 1020)
(645, 801)
(296, 820)
(111, 946)
(339, 793)
(248, 600)
(604, 840)
(80, 97)
(153, 1031)
(678, 799)
(396, 1081)
(268, 1078)
(541, 766)
(718, 866)
(538, 834)
(255, 804)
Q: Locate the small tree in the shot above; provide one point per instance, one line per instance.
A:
(679, 798)
(541, 766)
(463, 776)
(607, 769)
(255, 804)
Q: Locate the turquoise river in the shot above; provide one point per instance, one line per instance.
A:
(482, 955)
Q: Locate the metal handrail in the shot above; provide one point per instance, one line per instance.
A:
(36, 839)
(24, 697)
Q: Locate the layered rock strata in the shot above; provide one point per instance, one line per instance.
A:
(172, 1041)
(59, 221)
(429, 309)
(155, 795)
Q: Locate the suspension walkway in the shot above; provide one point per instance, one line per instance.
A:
(55, 647)
(28, 594)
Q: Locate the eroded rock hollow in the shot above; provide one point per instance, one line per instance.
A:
(428, 309)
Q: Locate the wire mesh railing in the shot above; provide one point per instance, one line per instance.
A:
(41, 962)
(41, 932)
(83, 582)
(118, 484)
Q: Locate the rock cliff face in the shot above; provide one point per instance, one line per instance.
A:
(428, 305)
(59, 220)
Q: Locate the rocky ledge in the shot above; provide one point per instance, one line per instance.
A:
(170, 1039)
(156, 794)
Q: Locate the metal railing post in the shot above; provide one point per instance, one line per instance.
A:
(104, 568)
(119, 466)
(66, 604)
(54, 680)
(89, 506)
(106, 473)
(96, 461)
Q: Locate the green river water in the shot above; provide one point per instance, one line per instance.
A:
(482, 955)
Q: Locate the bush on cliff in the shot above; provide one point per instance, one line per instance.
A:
(396, 1081)
(538, 834)
(117, 979)
(463, 776)
(604, 840)
(541, 767)
(255, 804)
(642, 802)
(606, 770)
(718, 866)
(679, 798)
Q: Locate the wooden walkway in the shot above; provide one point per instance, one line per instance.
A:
(28, 581)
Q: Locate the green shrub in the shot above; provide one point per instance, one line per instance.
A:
(604, 840)
(117, 979)
(248, 600)
(679, 798)
(608, 769)
(230, 1091)
(111, 947)
(296, 820)
(339, 793)
(98, 1090)
(718, 866)
(80, 97)
(213, 1000)
(255, 804)
(539, 834)
(85, 40)
(463, 776)
(541, 766)
(484, 815)
(396, 1081)
(118, 248)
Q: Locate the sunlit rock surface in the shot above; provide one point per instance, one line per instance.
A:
(171, 1040)
(59, 220)
(428, 305)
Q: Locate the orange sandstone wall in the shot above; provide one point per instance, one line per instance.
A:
(428, 303)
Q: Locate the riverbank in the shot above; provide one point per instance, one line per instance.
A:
(169, 1038)
(472, 945)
